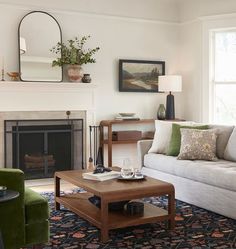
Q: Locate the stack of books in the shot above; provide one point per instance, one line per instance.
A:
(101, 176)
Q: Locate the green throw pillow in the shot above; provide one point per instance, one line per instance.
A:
(175, 141)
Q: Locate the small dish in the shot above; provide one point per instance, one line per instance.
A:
(126, 114)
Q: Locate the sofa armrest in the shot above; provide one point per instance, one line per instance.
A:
(143, 146)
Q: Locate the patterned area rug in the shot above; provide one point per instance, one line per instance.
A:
(195, 228)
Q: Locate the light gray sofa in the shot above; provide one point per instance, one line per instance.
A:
(207, 184)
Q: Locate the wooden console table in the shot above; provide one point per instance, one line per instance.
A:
(109, 142)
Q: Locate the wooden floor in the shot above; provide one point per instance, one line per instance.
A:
(47, 185)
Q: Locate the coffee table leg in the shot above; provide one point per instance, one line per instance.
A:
(104, 219)
(57, 191)
(171, 211)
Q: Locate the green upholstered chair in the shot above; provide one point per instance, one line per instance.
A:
(24, 220)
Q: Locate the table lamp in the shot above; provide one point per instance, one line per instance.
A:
(170, 83)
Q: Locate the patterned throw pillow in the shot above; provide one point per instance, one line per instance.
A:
(175, 141)
(198, 144)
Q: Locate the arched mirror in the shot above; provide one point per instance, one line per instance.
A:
(38, 32)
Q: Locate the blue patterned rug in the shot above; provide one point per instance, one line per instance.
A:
(195, 228)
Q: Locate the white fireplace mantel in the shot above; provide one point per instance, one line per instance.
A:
(44, 86)
(29, 96)
(37, 100)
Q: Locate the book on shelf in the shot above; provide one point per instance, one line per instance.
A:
(101, 176)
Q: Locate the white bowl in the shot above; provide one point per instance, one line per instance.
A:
(126, 114)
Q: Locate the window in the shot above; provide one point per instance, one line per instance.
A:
(223, 68)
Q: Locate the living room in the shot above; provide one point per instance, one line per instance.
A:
(180, 33)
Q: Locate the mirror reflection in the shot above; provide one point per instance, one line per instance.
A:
(38, 33)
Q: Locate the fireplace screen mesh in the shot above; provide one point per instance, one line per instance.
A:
(41, 147)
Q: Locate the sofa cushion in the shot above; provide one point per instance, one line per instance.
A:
(219, 173)
(175, 141)
(36, 207)
(230, 151)
(224, 133)
(162, 135)
(198, 144)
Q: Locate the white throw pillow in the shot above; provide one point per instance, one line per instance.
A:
(230, 150)
(162, 135)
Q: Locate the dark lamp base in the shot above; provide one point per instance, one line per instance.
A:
(170, 107)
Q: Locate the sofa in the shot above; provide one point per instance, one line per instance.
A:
(24, 220)
(208, 184)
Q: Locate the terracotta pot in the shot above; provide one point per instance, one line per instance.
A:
(74, 73)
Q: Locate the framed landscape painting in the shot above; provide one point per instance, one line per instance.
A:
(140, 75)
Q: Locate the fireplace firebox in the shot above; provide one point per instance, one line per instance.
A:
(41, 147)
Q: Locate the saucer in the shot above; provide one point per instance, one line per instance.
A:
(131, 178)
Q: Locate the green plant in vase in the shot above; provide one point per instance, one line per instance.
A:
(73, 55)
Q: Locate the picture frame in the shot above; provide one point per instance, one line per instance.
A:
(140, 75)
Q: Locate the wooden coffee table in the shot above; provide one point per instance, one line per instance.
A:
(112, 191)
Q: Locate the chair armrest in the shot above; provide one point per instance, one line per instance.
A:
(13, 179)
(12, 213)
(143, 146)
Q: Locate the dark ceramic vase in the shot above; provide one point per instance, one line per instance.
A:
(86, 78)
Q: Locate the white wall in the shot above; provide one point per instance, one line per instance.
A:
(128, 29)
(117, 38)
(136, 37)
(194, 52)
(190, 69)
(192, 9)
(161, 10)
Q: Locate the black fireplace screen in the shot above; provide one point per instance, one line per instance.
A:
(41, 147)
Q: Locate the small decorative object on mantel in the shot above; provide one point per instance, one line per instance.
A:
(2, 71)
(86, 78)
(2, 75)
(15, 76)
(73, 56)
(161, 112)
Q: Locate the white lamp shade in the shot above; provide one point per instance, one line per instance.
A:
(170, 83)
(22, 45)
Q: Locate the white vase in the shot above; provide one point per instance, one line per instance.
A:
(74, 73)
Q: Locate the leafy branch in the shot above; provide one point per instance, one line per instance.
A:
(73, 52)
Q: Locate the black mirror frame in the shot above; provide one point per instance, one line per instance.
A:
(36, 11)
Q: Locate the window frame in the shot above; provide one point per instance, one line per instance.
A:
(212, 82)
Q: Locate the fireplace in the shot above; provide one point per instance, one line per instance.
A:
(41, 147)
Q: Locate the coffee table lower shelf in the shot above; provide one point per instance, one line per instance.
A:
(79, 204)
